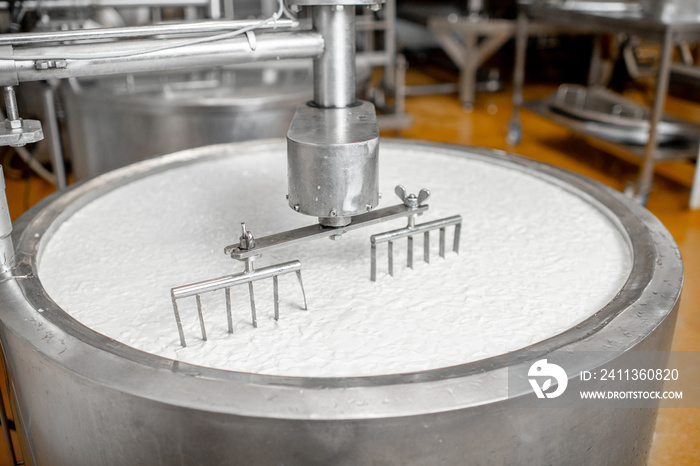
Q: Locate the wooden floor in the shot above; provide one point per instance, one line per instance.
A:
(441, 118)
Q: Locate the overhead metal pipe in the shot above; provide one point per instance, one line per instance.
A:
(64, 4)
(136, 32)
(35, 63)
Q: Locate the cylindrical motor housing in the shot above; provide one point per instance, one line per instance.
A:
(332, 166)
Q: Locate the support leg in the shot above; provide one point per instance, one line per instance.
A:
(594, 69)
(646, 175)
(53, 136)
(467, 74)
(515, 128)
(694, 202)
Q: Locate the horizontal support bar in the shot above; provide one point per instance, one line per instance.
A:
(288, 238)
(135, 32)
(423, 227)
(95, 60)
(67, 4)
(235, 279)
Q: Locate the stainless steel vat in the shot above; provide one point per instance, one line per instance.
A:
(85, 399)
(112, 122)
(615, 118)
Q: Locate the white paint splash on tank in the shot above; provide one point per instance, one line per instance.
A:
(535, 260)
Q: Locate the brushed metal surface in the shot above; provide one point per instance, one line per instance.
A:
(83, 398)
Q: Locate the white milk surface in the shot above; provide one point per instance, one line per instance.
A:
(535, 260)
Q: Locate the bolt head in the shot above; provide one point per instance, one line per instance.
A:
(13, 124)
(296, 207)
(333, 213)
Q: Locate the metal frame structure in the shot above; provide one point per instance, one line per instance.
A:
(650, 23)
(389, 95)
(469, 41)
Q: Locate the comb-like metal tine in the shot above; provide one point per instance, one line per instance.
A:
(409, 232)
(201, 318)
(249, 276)
(373, 265)
(275, 287)
(458, 231)
(252, 305)
(442, 242)
(426, 247)
(229, 317)
(178, 321)
(303, 293)
(391, 258)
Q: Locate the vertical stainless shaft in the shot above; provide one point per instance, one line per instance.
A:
(11, 103)
(334, 70)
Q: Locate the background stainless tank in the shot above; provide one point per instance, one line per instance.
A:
(112, 122)
(85, 399)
